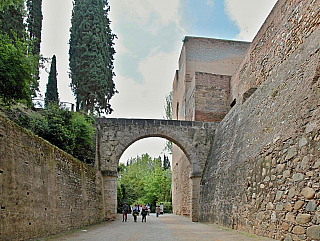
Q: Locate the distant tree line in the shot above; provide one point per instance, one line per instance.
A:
(145, 180)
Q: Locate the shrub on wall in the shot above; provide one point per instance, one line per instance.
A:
(70, 131)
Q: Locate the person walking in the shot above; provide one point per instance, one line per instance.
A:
(144, 211)
(125, 210)
(148, 209)
(158, 210)
(135, 212)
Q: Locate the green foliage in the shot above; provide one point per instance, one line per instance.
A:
(82, 126)
(166, 163)
(34, 22)
(168, 106)
(56, 126)
(17, 63)
(70, 131)
(4, 4)
(91, 56)
(16, 67)
(168, 111)
(144, 180)
(52, 95)
(11, 21)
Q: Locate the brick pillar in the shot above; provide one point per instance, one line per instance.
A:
(109, 195)
(195, 194)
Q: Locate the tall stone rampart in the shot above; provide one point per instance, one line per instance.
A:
(288, 26)
(262, 175)
(43, 190)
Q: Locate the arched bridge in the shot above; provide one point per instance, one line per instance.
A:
(114, 136)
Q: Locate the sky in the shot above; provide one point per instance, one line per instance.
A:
(149, 40)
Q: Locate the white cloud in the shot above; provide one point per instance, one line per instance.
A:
(149, 15)
(146, 100)
(210, 3)
(249, 15)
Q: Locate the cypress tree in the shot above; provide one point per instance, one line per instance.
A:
(34, 21)
(11, 19)
(52, 95)
(91, 56)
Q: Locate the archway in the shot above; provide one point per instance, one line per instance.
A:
(114, 136)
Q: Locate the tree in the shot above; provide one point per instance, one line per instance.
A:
(166, 162)
(17, 62)
(34, 21)
(70, 131)
(15, 70)
(168, 111)
(144, 180)
(11, 21)
(6, 3)
(91, 56)
(52, 95)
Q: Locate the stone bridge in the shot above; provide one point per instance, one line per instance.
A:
(114, 136)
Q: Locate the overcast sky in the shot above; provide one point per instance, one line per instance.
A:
(150, 34)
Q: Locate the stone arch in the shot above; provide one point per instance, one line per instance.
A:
(114, 136)
(185, 147)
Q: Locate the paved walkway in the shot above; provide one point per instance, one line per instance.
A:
(167, 227)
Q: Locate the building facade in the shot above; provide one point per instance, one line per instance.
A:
(201, 92)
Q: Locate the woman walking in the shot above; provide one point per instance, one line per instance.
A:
(135, 212)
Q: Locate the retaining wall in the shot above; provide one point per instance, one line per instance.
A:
(262, 175)
(43, 190)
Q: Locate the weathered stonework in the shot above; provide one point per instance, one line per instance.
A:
(43, 190)
(201, 89)
(114, 136)
(262, 175)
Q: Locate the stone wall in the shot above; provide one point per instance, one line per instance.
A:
(205, 67)
(262, 175)
(181, 187)
(288, 26)
(43, 190)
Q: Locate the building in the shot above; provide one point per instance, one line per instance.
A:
(201, 92)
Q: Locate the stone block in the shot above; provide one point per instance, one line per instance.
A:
(308, 192)
(298, 230)
(298, 205)
(313, 232)
(303, 218)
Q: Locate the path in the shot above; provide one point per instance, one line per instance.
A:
(167, 227)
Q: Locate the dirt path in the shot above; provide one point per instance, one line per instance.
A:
(164, 228)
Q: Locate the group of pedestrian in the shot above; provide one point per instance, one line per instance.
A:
(137, 209)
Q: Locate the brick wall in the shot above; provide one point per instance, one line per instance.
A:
(43, 190)
(211, 96)
(262, 175)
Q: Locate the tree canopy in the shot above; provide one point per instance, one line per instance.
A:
(144, 180)
(34, 21)
(18, 64)
(91, 56)
(16, 67)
